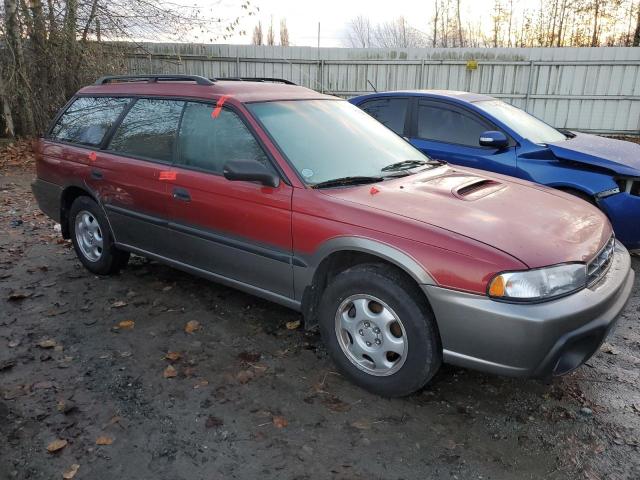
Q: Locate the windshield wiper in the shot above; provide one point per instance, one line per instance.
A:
(408, 165)
(337, 182)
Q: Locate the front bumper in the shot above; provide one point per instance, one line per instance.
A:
(623, 210)
(531, 340)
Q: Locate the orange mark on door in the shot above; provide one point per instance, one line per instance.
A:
(374, 190)
(167, 175)
(93, 156)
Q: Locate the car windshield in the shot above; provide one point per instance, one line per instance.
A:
(326, 140)
(525, 125)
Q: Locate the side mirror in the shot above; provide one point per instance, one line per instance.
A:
(493, 138)
(250, 171)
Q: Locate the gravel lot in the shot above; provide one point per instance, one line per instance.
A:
(85, 360)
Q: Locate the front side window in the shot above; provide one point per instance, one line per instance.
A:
(443, 124)
(391, 112)
(88, 119)
(525, 125)
(207, 140)
(330, 139)
(149, 129)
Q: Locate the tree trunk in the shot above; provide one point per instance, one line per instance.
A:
(435, 26)
(92, 15)
(594, 36)
(459, 23)
(7, 116)
(22, 87)
(636, 35)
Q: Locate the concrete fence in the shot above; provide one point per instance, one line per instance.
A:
(587, 89)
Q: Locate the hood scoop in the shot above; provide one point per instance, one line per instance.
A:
(477, 189)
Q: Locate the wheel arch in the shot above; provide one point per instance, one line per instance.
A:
(342, 253)
(69, 194)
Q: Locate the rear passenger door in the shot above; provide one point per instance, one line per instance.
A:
(238, 230)
(451, 133)
(392, 112)
(131, 174)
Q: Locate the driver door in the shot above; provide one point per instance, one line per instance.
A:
(450, 133)
(238, 230)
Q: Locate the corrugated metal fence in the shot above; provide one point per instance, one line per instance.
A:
(588, 89)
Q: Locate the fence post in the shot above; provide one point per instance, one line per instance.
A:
(321, 66)
(420, 74)
(238, 65)
(528, 93)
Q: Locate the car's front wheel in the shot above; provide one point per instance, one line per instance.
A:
(379, 330)
(92, 239)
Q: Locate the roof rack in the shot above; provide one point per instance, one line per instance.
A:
(258, 79)
(153, 78)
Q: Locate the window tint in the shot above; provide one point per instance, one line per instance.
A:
(88, 119)
(149, 129)
(442, 124)
(208, 142)
(390, 112)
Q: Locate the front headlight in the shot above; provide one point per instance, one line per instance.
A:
(539, 284)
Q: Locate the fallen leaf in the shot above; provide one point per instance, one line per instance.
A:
(14, 343)
(279, 421)
(104, 440)
(119, 304)
(608, 348)
(201, 383)
(49, 343)
(42, 385)
(66, 406)
(336, 405)
(14, 296)
(293, 325)
(170, 372)
(213, 422)
(126, 324)
(56, 445)
(249, 357)
(244, 376)
(192, 326)
(173, 356)
(69, 474)
(361, 424)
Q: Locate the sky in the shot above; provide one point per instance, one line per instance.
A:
(334, 15)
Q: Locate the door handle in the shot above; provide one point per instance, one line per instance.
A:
(181, 194)
(97, 174)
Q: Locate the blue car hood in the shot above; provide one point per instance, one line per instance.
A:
(618, 156)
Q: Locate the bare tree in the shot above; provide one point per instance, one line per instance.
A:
(359, 32)
(636, 35)
(271, 38)
(284, 33)
(434, 40)
(257, 38)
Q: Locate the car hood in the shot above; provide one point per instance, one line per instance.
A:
(532, 223)
(616, 155)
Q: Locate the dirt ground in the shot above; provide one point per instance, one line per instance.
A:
(85, 360)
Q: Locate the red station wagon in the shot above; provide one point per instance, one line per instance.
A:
(403, 262)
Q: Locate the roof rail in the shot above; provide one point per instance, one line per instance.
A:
(153, 78)
(259, 79)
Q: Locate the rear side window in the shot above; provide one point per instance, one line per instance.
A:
(149, 129)
(391, 112)
(443, 124)
(208, 140)
(88, 119)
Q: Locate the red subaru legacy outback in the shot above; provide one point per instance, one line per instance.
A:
(402, 262)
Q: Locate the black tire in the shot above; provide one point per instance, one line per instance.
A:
(424, 351)
(110, 260)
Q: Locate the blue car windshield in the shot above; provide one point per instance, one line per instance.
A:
(525, 125)
(331, 139)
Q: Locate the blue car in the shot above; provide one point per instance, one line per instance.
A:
(482, 132)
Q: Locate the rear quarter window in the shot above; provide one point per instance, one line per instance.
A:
(88, 119)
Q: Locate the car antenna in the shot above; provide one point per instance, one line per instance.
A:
(372, 85)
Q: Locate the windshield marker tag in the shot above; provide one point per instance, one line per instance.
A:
(216, 111)
(167, 175)
(374, 190)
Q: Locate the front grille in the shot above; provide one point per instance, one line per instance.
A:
(597, 267)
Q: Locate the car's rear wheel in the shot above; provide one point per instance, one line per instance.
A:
(92, 239)
(379, 330)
